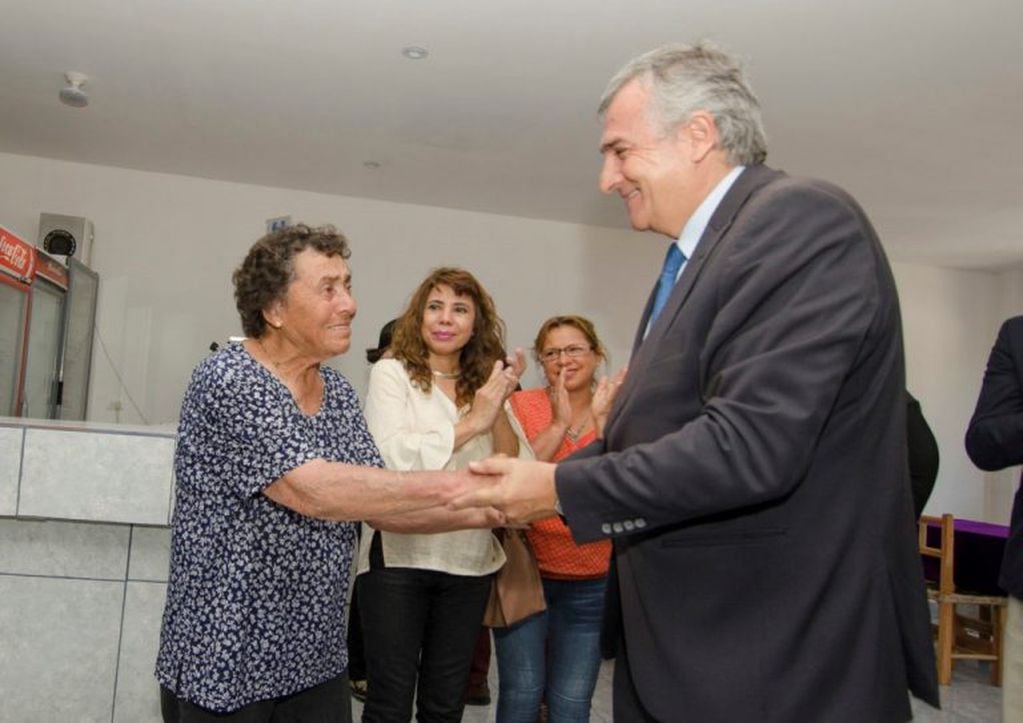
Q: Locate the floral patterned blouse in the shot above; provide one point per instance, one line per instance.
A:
(256, 592)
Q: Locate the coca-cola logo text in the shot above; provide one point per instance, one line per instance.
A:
(15, 254)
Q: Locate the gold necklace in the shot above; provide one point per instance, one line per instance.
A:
(446, 375)
(575, 434)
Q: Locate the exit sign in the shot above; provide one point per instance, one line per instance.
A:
(276, 224)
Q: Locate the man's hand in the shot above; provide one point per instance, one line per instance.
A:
(523, 490)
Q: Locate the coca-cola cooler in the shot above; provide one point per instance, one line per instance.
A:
(47, 317)
(17, 263)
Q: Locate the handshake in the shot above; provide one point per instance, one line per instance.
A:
(516, 491)
(511, 491)
(502, 490)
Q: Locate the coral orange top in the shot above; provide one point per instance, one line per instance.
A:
(557, 554)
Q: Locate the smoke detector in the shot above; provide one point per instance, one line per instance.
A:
(414, 52)
(72, 94)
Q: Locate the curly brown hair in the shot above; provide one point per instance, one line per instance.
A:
(269, 267)
(485, 346)
(581, 323)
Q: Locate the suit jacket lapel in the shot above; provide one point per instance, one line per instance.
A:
(643, 320)
(745, 185)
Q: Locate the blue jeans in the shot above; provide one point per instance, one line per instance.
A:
(556, 653)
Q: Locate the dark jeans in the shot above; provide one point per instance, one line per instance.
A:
(356, 648)
(328, 702)
(419, 624)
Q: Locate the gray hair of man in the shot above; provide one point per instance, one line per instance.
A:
(683, 79)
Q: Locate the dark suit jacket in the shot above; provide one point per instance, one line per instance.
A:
(994, 439)
(753, 475)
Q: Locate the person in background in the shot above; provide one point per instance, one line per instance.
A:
(923, 455)
(555, 656)
(437, 404)
(994, 441)
(383, 347)
(356, 650)
(753, 473)
(273, 462)
(477, 687)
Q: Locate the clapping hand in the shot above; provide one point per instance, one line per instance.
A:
(514, 368)
(603, 399)
(561, 405)
(488, 400)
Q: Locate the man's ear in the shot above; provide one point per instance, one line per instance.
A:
(702, 132)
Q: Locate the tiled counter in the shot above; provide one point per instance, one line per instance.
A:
(84, 545)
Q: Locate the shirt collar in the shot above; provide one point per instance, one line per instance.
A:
(697, 223)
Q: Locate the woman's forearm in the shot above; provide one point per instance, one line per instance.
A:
(548, 441)
(505, 441)
(338, 491)
(439, 519)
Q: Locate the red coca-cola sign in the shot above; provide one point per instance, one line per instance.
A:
(17, 257)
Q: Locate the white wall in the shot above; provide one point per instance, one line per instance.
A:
(950, 320)
(166, 245)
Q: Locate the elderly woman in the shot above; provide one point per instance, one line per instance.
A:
(272, 461)
(555, 655)
(437, 404)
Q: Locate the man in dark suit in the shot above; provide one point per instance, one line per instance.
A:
(752, 471)
(994, 440)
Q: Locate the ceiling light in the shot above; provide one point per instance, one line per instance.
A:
(72, 94)
(414, 52)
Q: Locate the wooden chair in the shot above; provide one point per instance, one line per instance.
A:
(961, 636)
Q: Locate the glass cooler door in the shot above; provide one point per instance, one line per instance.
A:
(13, 306)
(76, 351)
(39, 398)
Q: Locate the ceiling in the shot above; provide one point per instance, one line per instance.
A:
(914, 105)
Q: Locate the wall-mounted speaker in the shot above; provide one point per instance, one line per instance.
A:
(66, 236)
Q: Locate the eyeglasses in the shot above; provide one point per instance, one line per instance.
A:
(549, 356)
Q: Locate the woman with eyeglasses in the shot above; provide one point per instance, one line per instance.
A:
(555, 656)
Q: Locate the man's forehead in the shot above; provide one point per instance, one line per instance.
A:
(610, 132)
(628, 103)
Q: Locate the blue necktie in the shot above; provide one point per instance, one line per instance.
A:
(672, 263)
